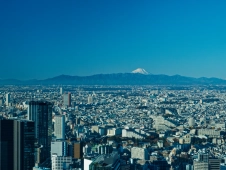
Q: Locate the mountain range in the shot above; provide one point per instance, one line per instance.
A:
(118, 79)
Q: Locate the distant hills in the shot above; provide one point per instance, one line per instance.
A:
(118, 79)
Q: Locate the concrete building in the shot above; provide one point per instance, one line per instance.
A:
(104, 149)
(114, 131)
(185, 139)
(203, 161)
(90, 99)
(99, 129)
(131, 133)
(191, 122)
(61, 90)
(59, 127)
(160, 143)
(209, 132)
(160, 123)
(61, 162)
(200, 165)
(139, 153)
(67, 99)
(59, 148)
(87, 163)
(7, 99)
(214, 163)
(77, 150)
(95, 129)
(203, 157)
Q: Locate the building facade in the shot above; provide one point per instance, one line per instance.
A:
(61, 162)
(139, 153)
(67, 99)
(7, 99)
(59, 127)
(41, 113)
(17, 140)
(59, 148)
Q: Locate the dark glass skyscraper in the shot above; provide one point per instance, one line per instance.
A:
(41, 113)
(17, 140)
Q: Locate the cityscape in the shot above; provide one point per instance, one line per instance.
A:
(113, 127)
(112, 85)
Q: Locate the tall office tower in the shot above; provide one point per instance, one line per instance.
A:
(59, 126)
(67, 99)
(61, 90)
(7, 99)
(17, 140)
(90, 99)
(41, 113)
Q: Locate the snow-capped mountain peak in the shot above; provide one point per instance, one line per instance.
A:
(140, 70)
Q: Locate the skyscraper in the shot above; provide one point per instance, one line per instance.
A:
(41, 113)
(59, 126)
(17, 140)
(67, 99)
(90, 99)
(61, 90)
(7, 99)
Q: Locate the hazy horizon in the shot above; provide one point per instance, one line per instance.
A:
(104, 73)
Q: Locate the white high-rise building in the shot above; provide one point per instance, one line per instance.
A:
(90, 99)
(61, 162)
(61, 90)
(191, 122)
(59, 126)
(7, 99)
(59, 148)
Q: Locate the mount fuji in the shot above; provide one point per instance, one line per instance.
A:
(141, 71)
(141, 78)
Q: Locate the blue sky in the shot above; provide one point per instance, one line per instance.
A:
(41, 39)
